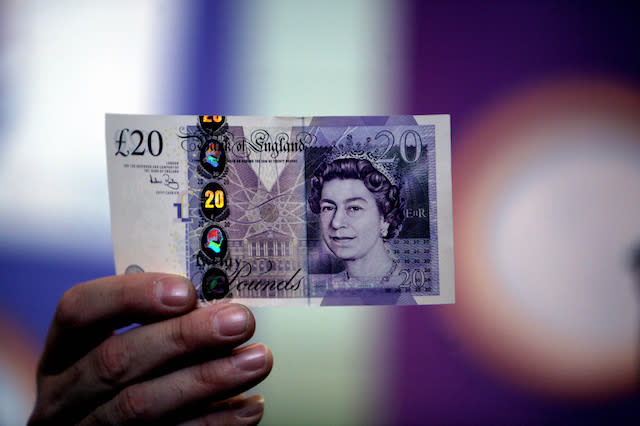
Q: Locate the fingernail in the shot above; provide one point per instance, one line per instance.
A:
(251, 409)
(250, 359)
(172, 291)
(231, 321)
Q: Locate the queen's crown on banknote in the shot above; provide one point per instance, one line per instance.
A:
(277, 211)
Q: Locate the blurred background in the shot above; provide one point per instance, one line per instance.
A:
(544, 98)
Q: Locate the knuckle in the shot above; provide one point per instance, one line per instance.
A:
(132, 404)
(74, 374)
(67, 311)
(112, 361)
(180, 334)
(208, 374)
(124, 297)
(40, 415)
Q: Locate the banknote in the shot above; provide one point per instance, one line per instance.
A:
(286, 211)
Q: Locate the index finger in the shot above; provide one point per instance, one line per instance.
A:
(89, 312)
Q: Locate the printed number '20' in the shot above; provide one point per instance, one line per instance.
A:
(215, 200)
(211, 118)
(410, 140)
(419, 279)
(154, 143)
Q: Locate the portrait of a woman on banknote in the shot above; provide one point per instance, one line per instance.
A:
(359, 210)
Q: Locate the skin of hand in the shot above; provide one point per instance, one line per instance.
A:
(181, 365)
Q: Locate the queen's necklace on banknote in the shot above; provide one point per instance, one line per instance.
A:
(271, 211)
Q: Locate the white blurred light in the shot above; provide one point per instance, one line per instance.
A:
(71, 63)
(562, 238)
(547, 215)
(329, 57)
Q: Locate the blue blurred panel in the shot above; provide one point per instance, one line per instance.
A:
(32, 283)
(214, 56)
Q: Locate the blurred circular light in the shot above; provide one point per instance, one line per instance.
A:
(547, 215)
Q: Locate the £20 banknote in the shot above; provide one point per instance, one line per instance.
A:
(286, 211)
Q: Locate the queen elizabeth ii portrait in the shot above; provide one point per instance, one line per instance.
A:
(359, 209)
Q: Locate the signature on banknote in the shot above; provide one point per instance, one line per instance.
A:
(166, 180)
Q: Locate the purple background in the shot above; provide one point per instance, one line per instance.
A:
(465, 55)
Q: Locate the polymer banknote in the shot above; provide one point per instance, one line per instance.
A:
(286, 211)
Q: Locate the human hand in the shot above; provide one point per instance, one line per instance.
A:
(181, 365)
